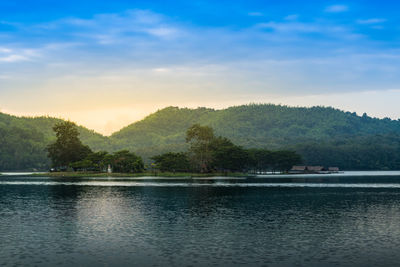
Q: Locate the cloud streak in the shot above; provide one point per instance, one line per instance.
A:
(336, 8)
(119, 60)
(371, 21)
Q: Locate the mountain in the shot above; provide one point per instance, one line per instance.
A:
(322, 135)
(253, 125)
(23, 141)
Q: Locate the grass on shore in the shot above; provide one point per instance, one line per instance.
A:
(142, 174)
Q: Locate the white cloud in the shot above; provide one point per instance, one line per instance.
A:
(5, 50)
(292, 17)
(132, 57)
(336, 8)
(290, 27)
(132, 21)
(79, 22)
(291, 30)
(377, 27)
(17, 55)
(13, 58)
(161, 70)
(145, 16)
(371, 21)
(255, 14)
(109, 28)
(162, 31)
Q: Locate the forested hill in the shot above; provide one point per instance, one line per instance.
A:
(254, 125)
(23, 141)
(323, 136)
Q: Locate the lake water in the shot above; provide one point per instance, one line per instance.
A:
(349, 219)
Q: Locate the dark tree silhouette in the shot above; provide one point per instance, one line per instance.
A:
(68, 148)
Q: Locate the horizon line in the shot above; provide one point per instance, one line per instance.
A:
(183, 107)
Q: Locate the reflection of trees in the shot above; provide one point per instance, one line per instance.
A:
(43, 226)
(63, 214)
(264, 221)
(175, 224)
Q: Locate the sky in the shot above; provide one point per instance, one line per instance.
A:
(106, 64)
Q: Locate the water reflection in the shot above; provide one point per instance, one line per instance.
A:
(211, 224)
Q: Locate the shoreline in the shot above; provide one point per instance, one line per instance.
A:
(184, 175)
(143, 174)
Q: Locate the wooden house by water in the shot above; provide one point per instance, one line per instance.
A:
(312, 169)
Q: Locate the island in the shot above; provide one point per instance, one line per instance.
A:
(207, 155)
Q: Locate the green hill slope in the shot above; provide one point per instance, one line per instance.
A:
(323, 136)
(23, 141)
(159, 132)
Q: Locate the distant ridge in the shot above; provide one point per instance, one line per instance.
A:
(323, 135)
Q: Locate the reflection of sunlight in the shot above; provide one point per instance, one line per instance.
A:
(103, 214)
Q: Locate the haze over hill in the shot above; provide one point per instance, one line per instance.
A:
(322, 135)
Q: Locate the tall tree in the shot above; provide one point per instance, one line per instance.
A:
(68, 147)
(227, 156)
(200, 137)
(260, 159)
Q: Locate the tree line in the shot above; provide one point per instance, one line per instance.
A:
(207, 153)
(322, 136)
(210, 153)
(69, 153)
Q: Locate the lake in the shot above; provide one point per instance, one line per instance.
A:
(350, 219)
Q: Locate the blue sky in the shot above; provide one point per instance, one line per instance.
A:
(108, 63)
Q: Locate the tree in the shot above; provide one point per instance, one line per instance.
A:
(200, 137)
(228, 156)
(96, 161)
(99, 160)
(283, 160)
(68, 147)
(260, 159)
(83, 165)
(125, 161)
(172, 162)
